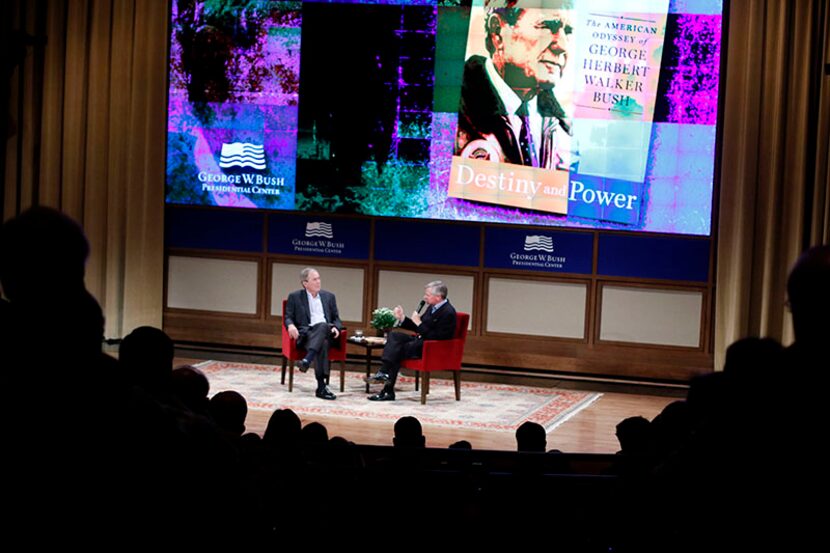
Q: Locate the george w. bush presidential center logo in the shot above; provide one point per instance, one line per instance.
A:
(537, 254)
(318, 239)
(314, 230)
(242, 155)
(537, 242)
(242, 170)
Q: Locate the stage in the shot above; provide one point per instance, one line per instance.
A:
(580, 416)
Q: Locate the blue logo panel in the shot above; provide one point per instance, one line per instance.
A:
(318, 236)
(653, 257)
(422, 242)
(214, 229)
(537, 250)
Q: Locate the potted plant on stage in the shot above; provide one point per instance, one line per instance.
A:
(383, 319)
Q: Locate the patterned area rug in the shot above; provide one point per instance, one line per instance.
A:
(483, 406)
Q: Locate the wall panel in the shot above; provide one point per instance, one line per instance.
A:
(207, 284)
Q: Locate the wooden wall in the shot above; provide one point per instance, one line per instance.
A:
(221, 292)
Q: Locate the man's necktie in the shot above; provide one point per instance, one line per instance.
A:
(525, 138)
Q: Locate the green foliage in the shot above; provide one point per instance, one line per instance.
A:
(230, 9)
(313, 200)
(396, 190)
(383, 318)
(415, 129)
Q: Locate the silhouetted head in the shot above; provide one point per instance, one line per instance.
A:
(146, 354)
(531, 436)
(461, 444)
(634, 435)
(339, 441)
(42, 258)
(752, 358)
(42, 255)
(283, 429)
(808, 293)
(314, 433)
(191, 387)
(408, 433)
(228, 410)
(672, 427)
(343, 453)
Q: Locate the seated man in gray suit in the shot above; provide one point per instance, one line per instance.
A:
(311, 319)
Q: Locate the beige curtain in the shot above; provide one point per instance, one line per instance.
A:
(90, 141)
(774, 177)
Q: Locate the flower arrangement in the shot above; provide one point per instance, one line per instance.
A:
(383, 318)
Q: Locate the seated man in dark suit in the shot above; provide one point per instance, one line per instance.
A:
(438, 323)
(311, 319)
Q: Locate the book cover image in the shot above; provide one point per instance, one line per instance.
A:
(618, 70)
(515, 113)
(561, 92)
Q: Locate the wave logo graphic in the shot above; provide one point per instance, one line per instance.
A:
(313, 230)
(242, 154)
(534, 242)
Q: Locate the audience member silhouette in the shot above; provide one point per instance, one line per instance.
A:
(733, 396)
(229, 410)
(800, 461)
(345, 454)
(51, 332)
(461, 444)
(727, 466)
(634, 435)
(752, 359)
(42, 263)
(732, 399)
(146, 354)
(314, 434)
(671, 428)
(808, 295)
(408, 433)
(190, 386)
(283, 430)
(44, 253)
(531, 437)
(806, 360)
(117, 450)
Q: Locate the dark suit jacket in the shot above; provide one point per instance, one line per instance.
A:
(482, 114)
(298, 313)
(434, 326)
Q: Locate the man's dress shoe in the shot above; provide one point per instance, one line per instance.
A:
(383, 396)
(325, 393)
(378, 377)
(302, 365)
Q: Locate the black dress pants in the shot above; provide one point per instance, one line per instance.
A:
(399, 346)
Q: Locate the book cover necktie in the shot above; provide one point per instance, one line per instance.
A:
(525, 138)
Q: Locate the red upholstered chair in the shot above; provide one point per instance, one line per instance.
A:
(441, 355)
(291, 353)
